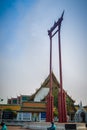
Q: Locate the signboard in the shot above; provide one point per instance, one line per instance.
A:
(43, 115)
(70, 126)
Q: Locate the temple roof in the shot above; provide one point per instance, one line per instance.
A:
(46, 84)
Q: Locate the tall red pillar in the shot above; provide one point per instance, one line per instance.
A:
(50, 99)
(61, 95)
(49, 113)
(62, 107)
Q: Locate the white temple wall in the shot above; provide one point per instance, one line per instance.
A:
(41, 94)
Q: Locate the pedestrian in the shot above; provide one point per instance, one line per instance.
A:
(53, 126)
(4, 127)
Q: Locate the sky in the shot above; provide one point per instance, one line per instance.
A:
(25, 46)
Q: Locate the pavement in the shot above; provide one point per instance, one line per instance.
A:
(18, 128)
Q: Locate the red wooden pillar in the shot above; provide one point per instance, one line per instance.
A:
(61, 95)
(50, 99)
(49, 112)
(62, 107)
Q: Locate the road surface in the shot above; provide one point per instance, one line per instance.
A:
(15, 128)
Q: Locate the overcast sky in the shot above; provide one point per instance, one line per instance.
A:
(24, 46)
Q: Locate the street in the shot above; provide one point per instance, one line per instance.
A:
(15, 128)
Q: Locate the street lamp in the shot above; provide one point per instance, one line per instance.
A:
(1, 100)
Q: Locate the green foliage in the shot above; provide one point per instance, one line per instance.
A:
(55, 94)
(69, 102)
(56, 112)
(14, 114)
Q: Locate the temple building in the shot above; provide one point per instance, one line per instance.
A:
(33, 107)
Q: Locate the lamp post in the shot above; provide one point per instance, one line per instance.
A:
(1, 100)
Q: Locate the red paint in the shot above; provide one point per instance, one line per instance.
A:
(50, 99)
